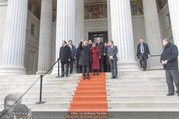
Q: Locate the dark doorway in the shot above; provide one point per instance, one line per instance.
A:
(103, 35)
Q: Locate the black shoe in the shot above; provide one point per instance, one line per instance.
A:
(83, 77)
(71, 72)
(170, 94)
(62, 75)
(88, 77)
(97, 74)
(93, 74)
(113, 77)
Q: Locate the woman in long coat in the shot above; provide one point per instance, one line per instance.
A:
(95, 56)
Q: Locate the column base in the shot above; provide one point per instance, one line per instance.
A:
(128, 66)
(10, 70)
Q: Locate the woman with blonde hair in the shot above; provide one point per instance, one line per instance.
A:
(95, 56)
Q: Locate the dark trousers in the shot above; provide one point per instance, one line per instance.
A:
(79, 69)
(172, 75)
(101, 62)
(143, 62)
(95, 71)
(113, 65)
(71, 65)
(62, 68)
(85, 69)
(90, 68)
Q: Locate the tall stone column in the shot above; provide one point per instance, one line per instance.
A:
(14, 39)
(153, 35)
(65, 25)
(174, 16)
(79, 20)
(109, 20)
(44, 58)
(122, 34)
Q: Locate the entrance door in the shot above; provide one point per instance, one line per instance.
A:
(102, 35)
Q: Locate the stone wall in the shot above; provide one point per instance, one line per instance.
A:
(165, 27)
(32, 44)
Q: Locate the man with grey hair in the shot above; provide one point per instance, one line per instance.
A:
(169, 59)
(85, 58)
(112, 54)
(101, 48)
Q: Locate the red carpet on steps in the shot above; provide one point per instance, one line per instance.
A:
(90, 101)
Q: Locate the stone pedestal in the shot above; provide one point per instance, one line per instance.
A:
(122, 34)
(14, 39)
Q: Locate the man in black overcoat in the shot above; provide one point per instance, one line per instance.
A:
(65, 55)
(85, 58)
(169, 59)
(143, 53)
(101, 48)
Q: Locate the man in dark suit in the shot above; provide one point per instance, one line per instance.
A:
(85, 58)
(169, 59)
(143, 53)
(90, 45)
(65, 57)
(101, 48)
(73, 55)
(112, 54)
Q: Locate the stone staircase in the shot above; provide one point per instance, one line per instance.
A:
(132, 93)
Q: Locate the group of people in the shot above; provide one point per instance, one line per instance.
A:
(102, 57)
(90, 57)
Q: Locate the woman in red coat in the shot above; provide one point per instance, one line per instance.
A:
(95, 56)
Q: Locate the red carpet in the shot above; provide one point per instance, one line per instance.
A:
(90, 99)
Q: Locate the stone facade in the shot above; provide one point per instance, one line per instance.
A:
(140, 28)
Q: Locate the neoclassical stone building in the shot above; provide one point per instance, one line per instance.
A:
(31, 31)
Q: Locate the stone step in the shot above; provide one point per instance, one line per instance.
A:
(137, 84)
(145, 104)
(111, 105)
(132, 98)
(142, 98)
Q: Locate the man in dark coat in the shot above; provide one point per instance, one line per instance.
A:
(85, 58)
(90, 45)
(101, 48)
(112, 54)
(73, 55)
(143, 53)
(64, 56)
(106, 59)
(169, 59)
(78, 56)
